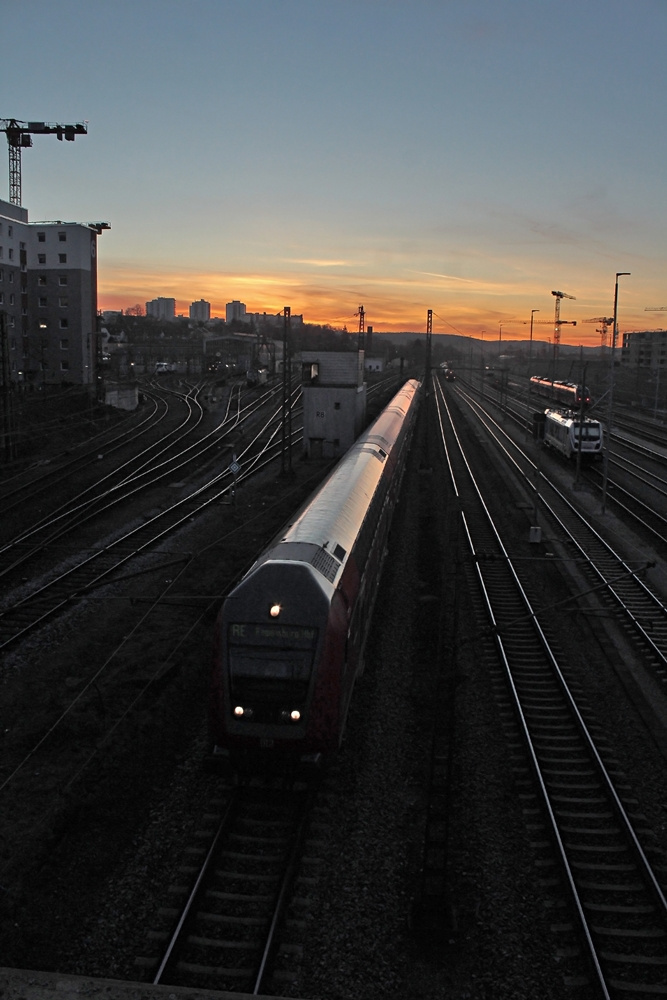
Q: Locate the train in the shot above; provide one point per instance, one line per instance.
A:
(568, 393)
(562, 430)
(256, 376)
(290, 636)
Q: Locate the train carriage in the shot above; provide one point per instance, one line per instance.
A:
(563, 431)
(569, 393)
(290, 637)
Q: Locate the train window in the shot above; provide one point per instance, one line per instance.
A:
(263, 676)
(267, 664)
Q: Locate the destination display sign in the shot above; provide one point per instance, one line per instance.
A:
(256, 634)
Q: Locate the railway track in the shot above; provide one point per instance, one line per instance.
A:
(619, 585)
(160, 459)
(601, 870)
(232, 929)
(92, 568)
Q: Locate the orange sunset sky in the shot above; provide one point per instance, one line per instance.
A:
(468, 158)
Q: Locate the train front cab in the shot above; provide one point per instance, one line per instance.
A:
(278, 689)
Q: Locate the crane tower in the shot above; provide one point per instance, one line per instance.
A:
(558, 322)
(605, 322)
(19, 136)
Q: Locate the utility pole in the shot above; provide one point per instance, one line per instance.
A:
(286, 425)
(610, 410)
(429, 338)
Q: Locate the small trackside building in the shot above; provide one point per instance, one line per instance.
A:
(334, 401)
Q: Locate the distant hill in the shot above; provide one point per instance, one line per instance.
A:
(459, 345)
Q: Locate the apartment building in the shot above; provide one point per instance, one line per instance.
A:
(645, 348)
(161, 308)
(48, 299)
(200, 311)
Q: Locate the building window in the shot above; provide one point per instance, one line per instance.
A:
(64, 344)
(2, 298)
(41, 237)
(62, 301)
(2, 275)
(41, 279)
(2, 252)
(62, 237)
(11, 253)
(22, 246)
(64, 366)
(41, 258)
(62, 258)
(336, 406)
(43, 325)
(43, 301)
(64, 324)
(12, 297)
(11, 277)
(10, 230)
(62, 279)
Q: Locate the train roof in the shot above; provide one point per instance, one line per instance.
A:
(567, 417)
(325, 528)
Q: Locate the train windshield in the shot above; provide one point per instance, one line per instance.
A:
(259, 674)
(269, 661)
(591, 432)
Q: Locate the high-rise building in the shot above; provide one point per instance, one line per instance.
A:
(200, 311)
(234, 310)
(48, 295)
(161, 308)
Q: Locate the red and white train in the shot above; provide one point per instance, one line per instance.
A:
(290, 637)
(568, 393)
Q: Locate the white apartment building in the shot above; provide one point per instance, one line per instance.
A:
(48, 299)
(161, 308)
(200, 311)
(234, 310)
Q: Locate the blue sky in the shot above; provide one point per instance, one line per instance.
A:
(467, 157)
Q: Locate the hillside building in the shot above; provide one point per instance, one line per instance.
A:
(48, 299)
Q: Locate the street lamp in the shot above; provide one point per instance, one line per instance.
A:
(610, 410)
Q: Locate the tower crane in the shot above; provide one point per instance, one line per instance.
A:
(558, 322)
(604, 322)
(19, 136)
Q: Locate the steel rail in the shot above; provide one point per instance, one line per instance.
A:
(644, 592)
(506, 659)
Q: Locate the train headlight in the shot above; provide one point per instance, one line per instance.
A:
(242, 713)
(293, 716)
(275, 610)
